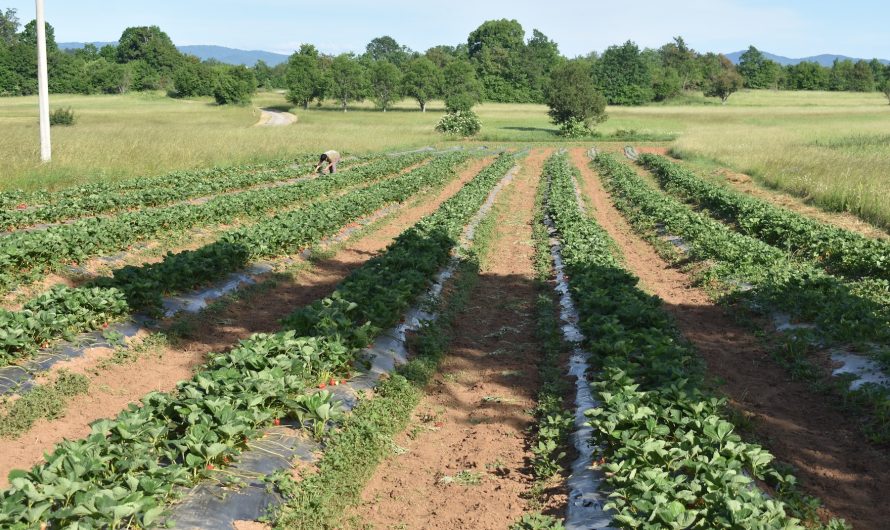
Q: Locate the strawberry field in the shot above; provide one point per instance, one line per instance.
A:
(546, 338)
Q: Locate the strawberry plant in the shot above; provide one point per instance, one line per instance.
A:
(837, 250)
(668, 456)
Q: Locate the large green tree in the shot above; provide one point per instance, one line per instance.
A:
(461, 88)
(540, 57)
(573, 97)
(149, 44)
(682, 59)
(496, 49)
(386, 83)
(422, 81)
(387, 48)
(806, 75)
(349, 80)
(623, 76)
(757, 70)
(722, 79)
(305, 78)
(9, 26)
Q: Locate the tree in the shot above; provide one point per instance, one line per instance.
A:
(28, 37)
(840, 75)
(386, 82)
(757, 70)
(496, 49)
(885, 88)
(461, 88)
(722, 79)
(807, 75)
(541, 55)
(149, 44)
(422, 81)
(442, 55)
(106, 77)
(682, 59)
(349, 80)
(573, 97)
(861, 78)
(622, 75)
(304, 76)
(234, 85)
(9, 26)
(387, 49)
(193, 78)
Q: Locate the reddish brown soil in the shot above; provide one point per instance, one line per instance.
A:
(832, 459)
(113, 388)
(475, 416)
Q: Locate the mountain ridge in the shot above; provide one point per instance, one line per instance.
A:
(825, 59)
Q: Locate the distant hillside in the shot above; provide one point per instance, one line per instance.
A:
(826, 59)
(219, 53)
(234, 56)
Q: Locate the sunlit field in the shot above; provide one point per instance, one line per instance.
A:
(832, 148)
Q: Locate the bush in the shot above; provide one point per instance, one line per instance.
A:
(62, 116)
(575, 128)
(461, 123)
(234, 86)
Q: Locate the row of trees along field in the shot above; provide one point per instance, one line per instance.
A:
(503, 65)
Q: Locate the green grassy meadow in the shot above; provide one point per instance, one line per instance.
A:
(830, 148)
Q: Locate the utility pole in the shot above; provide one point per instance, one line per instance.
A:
(43, 85)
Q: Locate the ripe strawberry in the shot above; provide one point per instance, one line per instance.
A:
(333, 382)
(225, 460)
(209, 467)
(105, 325)
(322, 386)
(21, 206)
(276, 421)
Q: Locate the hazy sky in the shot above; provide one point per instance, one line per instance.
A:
(792, 28)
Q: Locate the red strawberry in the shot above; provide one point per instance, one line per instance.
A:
(105, 325)
(21, 206)
(333, 382)
(209, 467)
(44, 345)
(276, 421)
(225, 460)
(322, 385)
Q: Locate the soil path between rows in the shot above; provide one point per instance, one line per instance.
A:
(466, 460)
(832, 459)
(113, 389)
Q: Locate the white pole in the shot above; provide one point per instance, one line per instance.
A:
(43, 85)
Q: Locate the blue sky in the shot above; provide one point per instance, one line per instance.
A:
(792, 28)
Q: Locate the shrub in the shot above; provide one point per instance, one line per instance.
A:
(575, 128)
(461, 123)
(62, 116)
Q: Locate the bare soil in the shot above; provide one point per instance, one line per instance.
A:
(114, 388)
(466, 460)
(831, 457)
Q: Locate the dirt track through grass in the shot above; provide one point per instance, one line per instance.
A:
(831, 456)
(466, 464)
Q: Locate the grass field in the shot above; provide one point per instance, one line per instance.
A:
(833, 148)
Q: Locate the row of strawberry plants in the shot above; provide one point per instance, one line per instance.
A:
(176, 180)
(670, 459)
(317, 502)
(845, 311)
(189, 187)
(837, 250)
(125, 471)
(131, 288)
(28, 254)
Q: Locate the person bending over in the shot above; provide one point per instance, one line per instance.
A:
(331, 158)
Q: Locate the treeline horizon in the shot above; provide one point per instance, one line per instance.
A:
(506, 66)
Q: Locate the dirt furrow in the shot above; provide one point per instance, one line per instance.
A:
(830, 456)
(113, 388)
(465, 459)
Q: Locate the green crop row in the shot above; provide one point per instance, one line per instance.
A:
(668, 457)
(131, 288)
(844, 311)
(837, 250)
(97, 199)
(125, 471)
(26, 254)
(182, 179)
